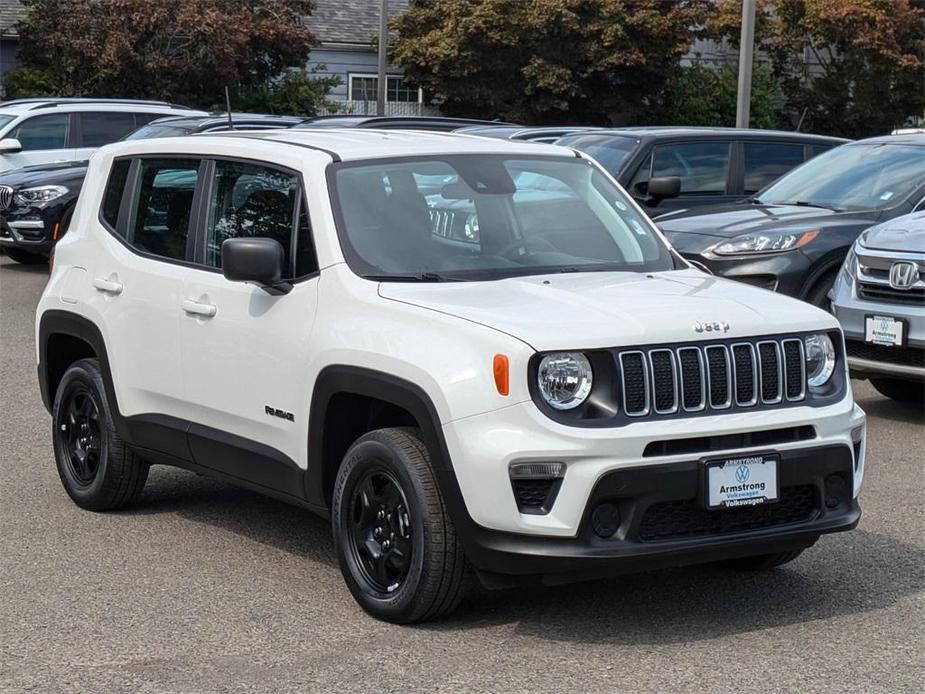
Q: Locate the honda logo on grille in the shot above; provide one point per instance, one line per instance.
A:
(903, 274)
(6, 197)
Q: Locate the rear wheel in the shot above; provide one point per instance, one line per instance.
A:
(24, 257)
(762, 562)
(901, 391)
(98, 471)
(396, 544)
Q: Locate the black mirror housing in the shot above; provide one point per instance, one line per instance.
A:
(256, 260)
(661, 187)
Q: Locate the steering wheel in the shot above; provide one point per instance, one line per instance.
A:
(526, 245)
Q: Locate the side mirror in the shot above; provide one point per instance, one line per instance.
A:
(10, 145)
(662, 187)
(256, 260)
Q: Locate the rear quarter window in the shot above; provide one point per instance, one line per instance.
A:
(112, 198)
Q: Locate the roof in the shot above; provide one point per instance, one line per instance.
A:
(659, 131)
(443, 123)
(908, 139)
(11, 12)
(352, 144)
(219, 118)
(18, 107)
(349, 21)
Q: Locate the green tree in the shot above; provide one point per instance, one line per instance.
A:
(546, 60)
(848, 67)
(704, 95)
(168, 49)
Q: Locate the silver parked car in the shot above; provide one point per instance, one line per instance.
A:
(879, 298)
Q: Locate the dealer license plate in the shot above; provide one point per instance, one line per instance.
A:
(742, 481)
(884, 330)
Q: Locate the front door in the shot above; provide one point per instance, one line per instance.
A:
(245, 352)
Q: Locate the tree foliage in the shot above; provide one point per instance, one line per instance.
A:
(864, 75)
(704, 95)
(168, 49)
(546, 60)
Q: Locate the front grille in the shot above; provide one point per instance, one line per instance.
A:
(691, 378)
(723, 442)
(668, 520)
(904, 356)
(6, 197)
(885, 293)
(442, 221)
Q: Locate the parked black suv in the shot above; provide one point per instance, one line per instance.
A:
(714, 165)
(36, 202)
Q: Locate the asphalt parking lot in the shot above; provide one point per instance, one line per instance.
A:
(208, 588)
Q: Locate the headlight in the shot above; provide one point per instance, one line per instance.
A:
(771, 242)
(849, 267)
(820, 359)
(30, 196)
(564, 379)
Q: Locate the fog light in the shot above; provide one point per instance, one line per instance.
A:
(536, 471)
(605, 519)
(836, 490)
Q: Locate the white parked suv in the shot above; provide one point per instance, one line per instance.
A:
(38, 131)
(469, 354)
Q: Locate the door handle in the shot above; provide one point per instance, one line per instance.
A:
(108, 286)
(199, 309)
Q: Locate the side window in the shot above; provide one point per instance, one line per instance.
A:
(306, 261)
(767, 161)
(159, 222)
(43, 132)
(250, 200)
(145, 118)
(98, 129)
(112, 198)
(702, 166)
(816, 150)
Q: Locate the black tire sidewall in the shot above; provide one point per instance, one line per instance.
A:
(369, 454)
(82, 374)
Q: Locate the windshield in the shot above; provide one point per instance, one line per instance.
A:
(166, 130)
(857, 176)
(462, 217)
(610, 151)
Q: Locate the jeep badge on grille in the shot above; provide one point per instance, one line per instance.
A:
(714, 327)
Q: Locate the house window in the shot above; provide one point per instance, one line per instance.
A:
(365, 87)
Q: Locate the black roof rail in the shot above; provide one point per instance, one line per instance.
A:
(51, 102)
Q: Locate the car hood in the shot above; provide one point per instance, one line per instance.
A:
(595, 310)
(904, 234)
(726, 221)
(44, 174)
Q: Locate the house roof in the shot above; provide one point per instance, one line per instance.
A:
(352, 22)
(11, 11)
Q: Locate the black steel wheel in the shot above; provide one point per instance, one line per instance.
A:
(98, 471)
(395, 541)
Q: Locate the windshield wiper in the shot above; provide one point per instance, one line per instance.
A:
(412, 277)
(807, 203)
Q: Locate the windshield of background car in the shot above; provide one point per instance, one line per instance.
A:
(165, 130)
(610, 151)
(469, 217)
(857, 176)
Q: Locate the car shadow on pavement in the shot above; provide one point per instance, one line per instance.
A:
(883, 407)
(842, 574)
(37, 269)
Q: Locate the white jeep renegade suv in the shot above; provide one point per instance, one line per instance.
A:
(467, 353)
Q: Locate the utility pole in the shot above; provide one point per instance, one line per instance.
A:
(383, 49)
(746, 57)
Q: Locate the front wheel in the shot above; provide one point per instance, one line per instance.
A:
(396, 544)
(911, 392)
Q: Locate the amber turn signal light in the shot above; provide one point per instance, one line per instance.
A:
(501, 369)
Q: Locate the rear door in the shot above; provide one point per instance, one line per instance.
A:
(93, 129)
(763, 162)
(703, 165)
(244, 351)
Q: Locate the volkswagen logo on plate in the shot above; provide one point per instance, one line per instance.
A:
(742, 473)
(903, 274)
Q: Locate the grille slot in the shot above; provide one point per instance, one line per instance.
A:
(883, 292)
(635, 384)
(694, 378)
(6, 197)
(686, 518)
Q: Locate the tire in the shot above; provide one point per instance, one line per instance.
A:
(108, 475)
(387, 503)
(911, 392)
(762, 562)
(24, 257)
(819, 294)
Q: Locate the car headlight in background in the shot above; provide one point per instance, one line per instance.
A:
(771, 242)
(40, 194)
(820, 359)
(564, 379)
(850, 267)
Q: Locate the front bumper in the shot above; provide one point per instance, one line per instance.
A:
(865, 360)
(608, 464)
(31, 234)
